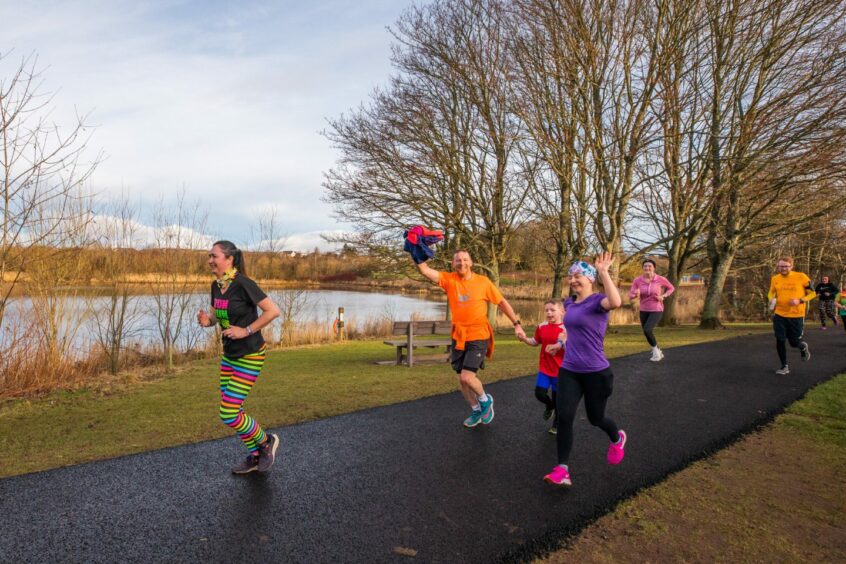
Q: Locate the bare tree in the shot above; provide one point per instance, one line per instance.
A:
(43, 168)
(179, 228)
(548, 83)
(116, 315)
(437, 146)
(54, 272)
(292, 303)
(777, 103)
(673, 204)
(271, 238)
(621, 51)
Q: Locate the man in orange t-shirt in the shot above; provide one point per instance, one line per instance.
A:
(468, 295)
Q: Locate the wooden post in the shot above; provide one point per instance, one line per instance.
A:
(410, 354)
(342, 334)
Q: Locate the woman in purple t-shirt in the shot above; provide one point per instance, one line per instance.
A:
(651, 289)
(585, 370)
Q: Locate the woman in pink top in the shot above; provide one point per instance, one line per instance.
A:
(651, 289)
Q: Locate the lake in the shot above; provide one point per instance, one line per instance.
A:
(307, 306)
(85, 317)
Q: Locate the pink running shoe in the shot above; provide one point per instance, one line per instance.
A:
(558, 477)
(616, 451)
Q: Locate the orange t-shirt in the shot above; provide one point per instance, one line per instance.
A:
(468, 302)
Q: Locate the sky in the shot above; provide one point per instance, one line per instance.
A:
(225, 100)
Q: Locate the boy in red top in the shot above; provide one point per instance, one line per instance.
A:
(548, 334)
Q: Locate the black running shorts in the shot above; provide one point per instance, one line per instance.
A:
(472, 358)
(788, 328)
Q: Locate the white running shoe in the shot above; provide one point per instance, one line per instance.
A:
(657, 355)
(784, 370)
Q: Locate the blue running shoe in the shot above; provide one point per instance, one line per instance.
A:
(487, 410)
(474, 419)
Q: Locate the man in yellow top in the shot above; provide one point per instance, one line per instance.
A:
(468, 295)
(789, 293)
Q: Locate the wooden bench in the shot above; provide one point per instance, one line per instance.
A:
(420, 334)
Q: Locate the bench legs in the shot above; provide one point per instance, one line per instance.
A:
(409, 356)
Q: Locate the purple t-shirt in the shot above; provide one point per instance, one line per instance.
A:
(585, 323)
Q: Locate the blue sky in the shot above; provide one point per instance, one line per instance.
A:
(224, 98)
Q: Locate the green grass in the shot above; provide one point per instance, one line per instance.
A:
(821, 414)
(775, 496)
(296, 385)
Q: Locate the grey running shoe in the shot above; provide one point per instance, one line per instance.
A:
(547, 413)
(783, 371)
(249, 464)
(267, 452)
(805, 352)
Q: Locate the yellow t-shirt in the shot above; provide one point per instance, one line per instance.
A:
(795, 285)
(468, 302)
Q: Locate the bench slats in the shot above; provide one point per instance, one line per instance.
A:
(423, 329)
(442, 327)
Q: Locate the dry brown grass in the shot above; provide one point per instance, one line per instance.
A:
(28, 369)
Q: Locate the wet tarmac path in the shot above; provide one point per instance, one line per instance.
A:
(406, 482)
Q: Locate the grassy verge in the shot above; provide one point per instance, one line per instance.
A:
(296, 385)
(776, 496)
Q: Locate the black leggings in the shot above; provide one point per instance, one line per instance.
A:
(544, 398)
(648, 320)
(597, 388)
(790, 330)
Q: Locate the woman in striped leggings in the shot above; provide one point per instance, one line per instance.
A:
(234, 299)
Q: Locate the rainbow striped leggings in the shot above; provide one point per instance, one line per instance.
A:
(237, 376)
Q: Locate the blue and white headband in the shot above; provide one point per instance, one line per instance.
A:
(583, 268)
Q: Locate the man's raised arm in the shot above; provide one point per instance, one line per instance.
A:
(429, 272)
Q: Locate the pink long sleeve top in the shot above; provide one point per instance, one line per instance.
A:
(650, 290)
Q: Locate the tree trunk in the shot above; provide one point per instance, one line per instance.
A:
(558, 272)
(676, 267)
(714, 296)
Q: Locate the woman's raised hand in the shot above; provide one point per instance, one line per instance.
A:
(603, 261)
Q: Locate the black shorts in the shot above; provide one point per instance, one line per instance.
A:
(472, 358)
(788, 328)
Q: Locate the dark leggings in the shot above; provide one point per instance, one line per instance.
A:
(788, 330)
(648, 320)
(597, 388)
(544, 398)
(843, 321)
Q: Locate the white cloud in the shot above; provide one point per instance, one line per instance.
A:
(227, 100)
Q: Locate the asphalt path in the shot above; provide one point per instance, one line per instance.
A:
(407, 482)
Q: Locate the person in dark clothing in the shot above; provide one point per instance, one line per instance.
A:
(827, 293)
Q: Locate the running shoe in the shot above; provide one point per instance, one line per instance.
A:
(547, 413)
(487, 410)
(474, 419)
(553, 430)
(558, 477)
(657, 356)
(805, 352)
(823, 328)
(784, 370)
(267, 452)
(616, 451)
(249, 464)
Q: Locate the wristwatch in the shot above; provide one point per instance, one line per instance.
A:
(516, 323)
